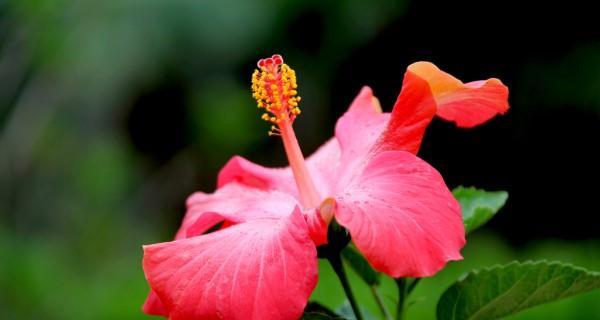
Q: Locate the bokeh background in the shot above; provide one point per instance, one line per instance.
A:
(113, 111)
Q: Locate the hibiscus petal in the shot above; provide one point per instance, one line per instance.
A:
(467, 105)
(402, 216)
(321, 165)
(240, 170)
(153, 305)
(412, 113)
(427, 91)
(358, 129)
(235, 203)
(262, 269)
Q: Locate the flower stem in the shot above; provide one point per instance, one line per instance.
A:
(402, 292)
(412, 285)
(380, 303)
(336, 262)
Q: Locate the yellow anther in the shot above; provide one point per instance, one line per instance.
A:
(274, 89)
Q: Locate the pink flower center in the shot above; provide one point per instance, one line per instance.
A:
(274, 88)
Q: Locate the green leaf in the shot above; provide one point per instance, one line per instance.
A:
(503, 290)
(478, 206)
(361, 266)
(316, 311)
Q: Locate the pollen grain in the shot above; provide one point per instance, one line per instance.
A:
(275, 90)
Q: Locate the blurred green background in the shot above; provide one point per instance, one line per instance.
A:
(112, 112)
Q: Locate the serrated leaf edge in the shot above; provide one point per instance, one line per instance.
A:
(463, 277)
(528, 263)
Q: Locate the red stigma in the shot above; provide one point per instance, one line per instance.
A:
(277, 59)
(274, 61)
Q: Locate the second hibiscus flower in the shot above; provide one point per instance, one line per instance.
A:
(262, 262)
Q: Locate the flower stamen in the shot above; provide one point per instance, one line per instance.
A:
(274, 88)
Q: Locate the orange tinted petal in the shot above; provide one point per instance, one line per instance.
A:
(467, 105)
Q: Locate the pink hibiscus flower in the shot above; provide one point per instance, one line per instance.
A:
(262, 261)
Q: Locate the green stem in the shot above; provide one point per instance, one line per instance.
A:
(380, 304)
(412, 285)
(401, 283)
(336, 262)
